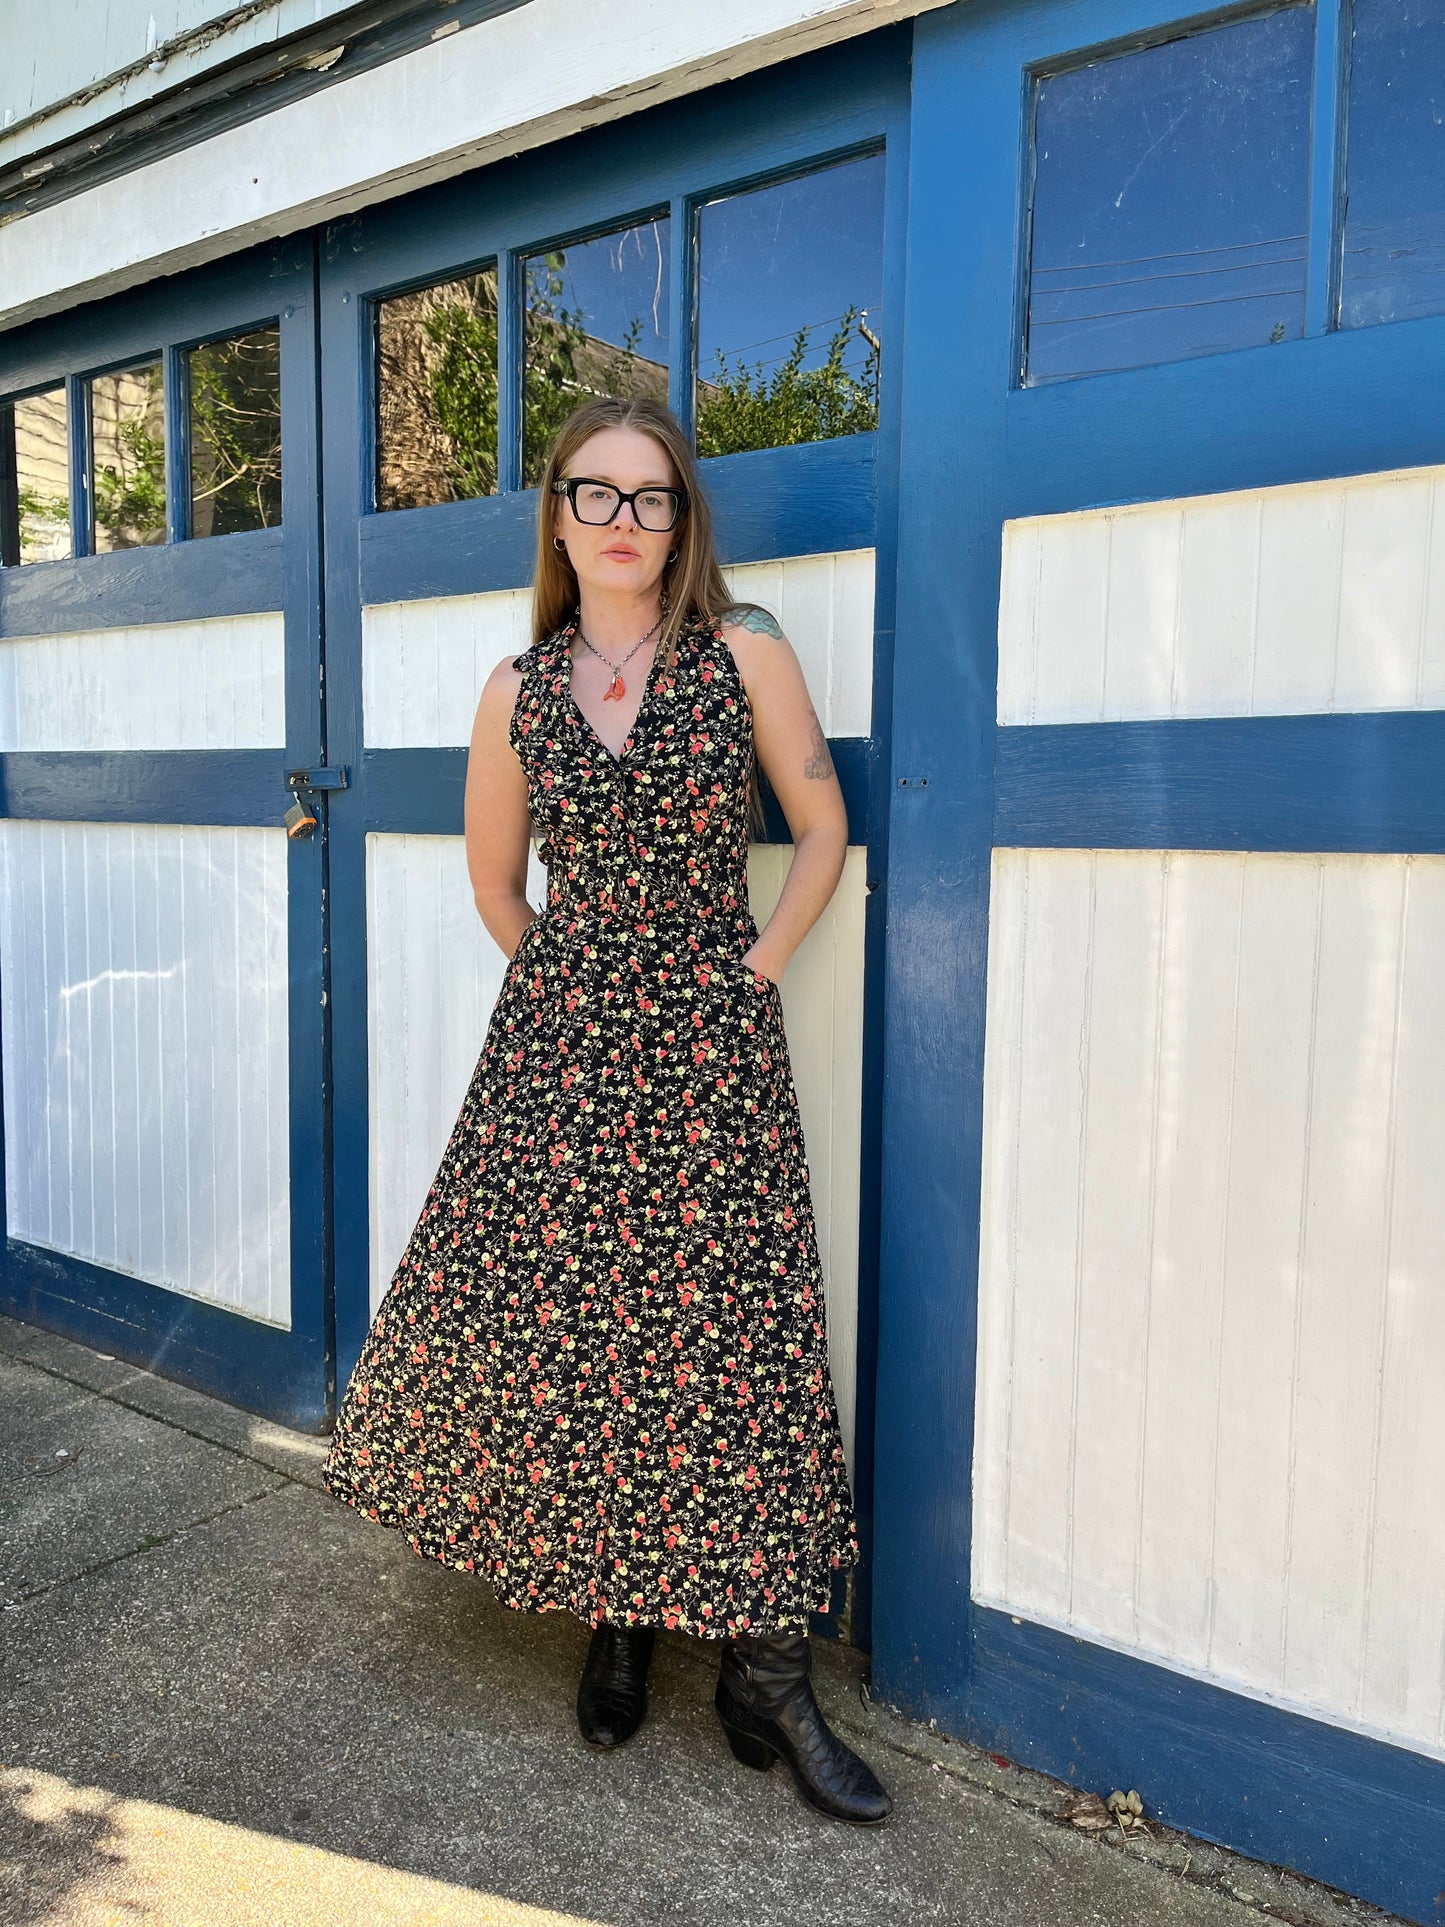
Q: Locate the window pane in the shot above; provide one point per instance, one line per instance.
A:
(436, 432)
(790, 310)
(35, 453)
(128, 458)
(236, 434)
(596, 325)
(1170, 200)
(1394, 264)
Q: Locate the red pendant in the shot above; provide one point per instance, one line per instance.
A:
(616, 689)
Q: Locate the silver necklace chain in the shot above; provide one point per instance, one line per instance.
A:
(616, 667)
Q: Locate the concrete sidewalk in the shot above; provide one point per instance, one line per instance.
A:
(232, 1702)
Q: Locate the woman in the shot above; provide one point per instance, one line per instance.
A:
(600, 1375)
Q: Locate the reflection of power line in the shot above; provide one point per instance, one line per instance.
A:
(828, 321)
(611, 248)
(1163, 307)
(1174, 254)
(1175, 274)
(1426, 226)
(765, 365)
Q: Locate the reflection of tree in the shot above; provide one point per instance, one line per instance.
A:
(34, 443)
(437, 404)
(563, 365)
(554, 339)
(741, 408)
(437, 393)
(437, 428)
(236, 434)
(130, 489)
(462, 380)
(42, 517)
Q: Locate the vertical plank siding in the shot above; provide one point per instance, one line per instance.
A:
(216, 684)
(143, 995)
(1211, 1319)
(423, 664)
(1311, 598)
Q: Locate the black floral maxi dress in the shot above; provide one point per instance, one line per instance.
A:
(600, 1375)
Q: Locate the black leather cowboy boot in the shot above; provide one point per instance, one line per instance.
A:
(612, 1695)
(765, 1702)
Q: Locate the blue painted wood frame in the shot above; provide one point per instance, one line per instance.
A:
(280, 1373)
(778, 502)
(1367, 783)
(976, 449)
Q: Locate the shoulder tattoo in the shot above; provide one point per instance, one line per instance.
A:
(758, 620)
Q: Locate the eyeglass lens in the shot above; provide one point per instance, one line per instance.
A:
(595, 502)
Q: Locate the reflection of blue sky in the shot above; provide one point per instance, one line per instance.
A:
(1170, 199)
(617, 278)
(1395, 229)
(779, 258)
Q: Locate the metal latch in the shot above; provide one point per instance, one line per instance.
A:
(300, 818)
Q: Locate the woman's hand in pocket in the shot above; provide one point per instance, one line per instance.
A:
(758, 970)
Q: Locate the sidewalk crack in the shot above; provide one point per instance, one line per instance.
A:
(149, 1543)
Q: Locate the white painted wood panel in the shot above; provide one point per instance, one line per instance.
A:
(1212, 1272)
(824, 605)
(143, 994)
(1304, 599)
(433, 974)
(424, 662)
(218, 684)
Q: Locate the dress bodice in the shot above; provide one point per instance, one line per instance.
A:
(661, 830)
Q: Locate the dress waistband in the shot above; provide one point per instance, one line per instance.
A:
(640, 912)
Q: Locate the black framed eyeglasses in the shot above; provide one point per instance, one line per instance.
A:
(596, 503)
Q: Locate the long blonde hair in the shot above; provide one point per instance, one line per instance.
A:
(693, 585)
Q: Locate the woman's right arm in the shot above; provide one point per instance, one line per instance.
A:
(498, 825)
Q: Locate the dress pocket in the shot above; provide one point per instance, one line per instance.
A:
(759, 980)
(523, 945)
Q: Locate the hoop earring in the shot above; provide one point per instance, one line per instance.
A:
(672, 555)
(559, 544)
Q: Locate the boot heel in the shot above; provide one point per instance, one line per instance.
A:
(752, 1752)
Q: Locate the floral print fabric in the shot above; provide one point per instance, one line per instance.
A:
(600, 1376)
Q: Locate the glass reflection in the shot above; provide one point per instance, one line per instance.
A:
(1394, 261)
(236, 434)
(596, 324)
(1170, 198)
(436, 428)
(790, 310)
(128, 458)
(35, 459)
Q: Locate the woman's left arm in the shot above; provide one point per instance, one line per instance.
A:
(793, 753)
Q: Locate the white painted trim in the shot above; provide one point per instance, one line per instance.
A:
(546, 70)
(61, 77)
